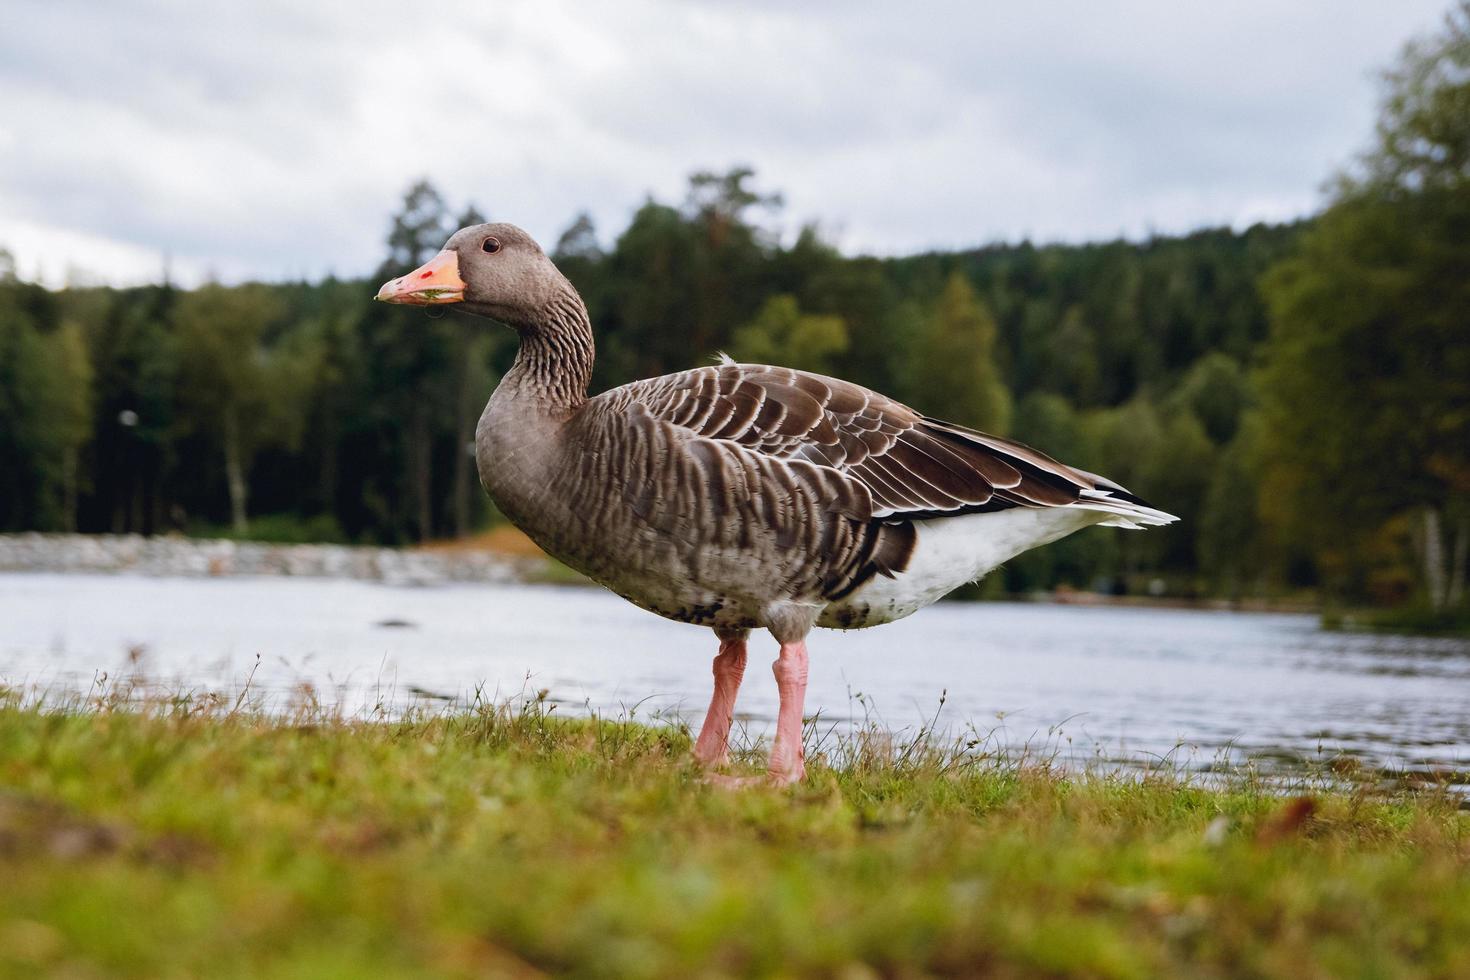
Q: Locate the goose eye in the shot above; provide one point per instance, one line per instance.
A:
(491, 244)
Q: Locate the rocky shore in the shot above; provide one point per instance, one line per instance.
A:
(193, 558)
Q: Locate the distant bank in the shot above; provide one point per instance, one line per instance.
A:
(175, 555)
(502, 555)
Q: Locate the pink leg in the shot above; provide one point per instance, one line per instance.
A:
(787, 763)
(713, 747)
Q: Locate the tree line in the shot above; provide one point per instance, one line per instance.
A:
(1297, 393)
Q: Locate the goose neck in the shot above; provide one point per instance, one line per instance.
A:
(554, 364)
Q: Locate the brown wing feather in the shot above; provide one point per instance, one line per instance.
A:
(910, 465)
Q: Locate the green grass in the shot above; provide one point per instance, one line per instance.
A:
(186, 838)
(1412, 619)
(277, 529)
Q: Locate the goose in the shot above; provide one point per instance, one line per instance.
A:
(741, 496)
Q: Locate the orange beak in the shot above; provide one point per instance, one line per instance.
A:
(436, 281)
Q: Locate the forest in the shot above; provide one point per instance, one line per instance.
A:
(1299, 394)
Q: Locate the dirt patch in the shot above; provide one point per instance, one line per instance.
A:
(503, 539)
(32, 828)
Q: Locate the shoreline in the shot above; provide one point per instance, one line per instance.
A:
(499, 557)
(182, 557)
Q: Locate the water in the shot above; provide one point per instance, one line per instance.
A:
(1087, 683)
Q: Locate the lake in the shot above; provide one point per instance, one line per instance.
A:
(1135, 685)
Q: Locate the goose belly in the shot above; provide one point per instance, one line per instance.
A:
(951, 552)
(682, 580)
(721, 588)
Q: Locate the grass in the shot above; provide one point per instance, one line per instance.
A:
(197, 837)
(277, 529)
(1412, 619)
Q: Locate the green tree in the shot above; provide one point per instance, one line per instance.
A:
(70, 410)
(1367, 378)
(1423, 130)
(729, 254)
(720, 202)
(410, 360)
(242, 393)
(578, 241)
(1176, 477)
(1229, 522)
(469, 217)
(782, 334)
(31, 443)
(135, 431)
(1124, 443)
(953, 373)
(418, 229)
(1070, 363)
(652, 297)
(879, 325)
(1048, 422)
(1215, 390)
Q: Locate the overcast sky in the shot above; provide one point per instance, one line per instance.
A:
(272, 139)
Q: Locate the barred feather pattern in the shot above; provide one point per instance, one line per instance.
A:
(718, 494)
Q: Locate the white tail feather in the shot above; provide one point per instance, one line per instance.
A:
(1134, 517)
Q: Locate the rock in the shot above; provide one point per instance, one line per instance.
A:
(192, 558)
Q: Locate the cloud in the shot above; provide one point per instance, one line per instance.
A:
(272, 140)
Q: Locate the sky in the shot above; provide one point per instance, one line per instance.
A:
(272, 140)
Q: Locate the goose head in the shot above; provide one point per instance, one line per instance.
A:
(493, 270)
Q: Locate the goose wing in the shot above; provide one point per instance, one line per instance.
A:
(907, 465)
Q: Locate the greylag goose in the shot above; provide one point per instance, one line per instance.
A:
(741, 496)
